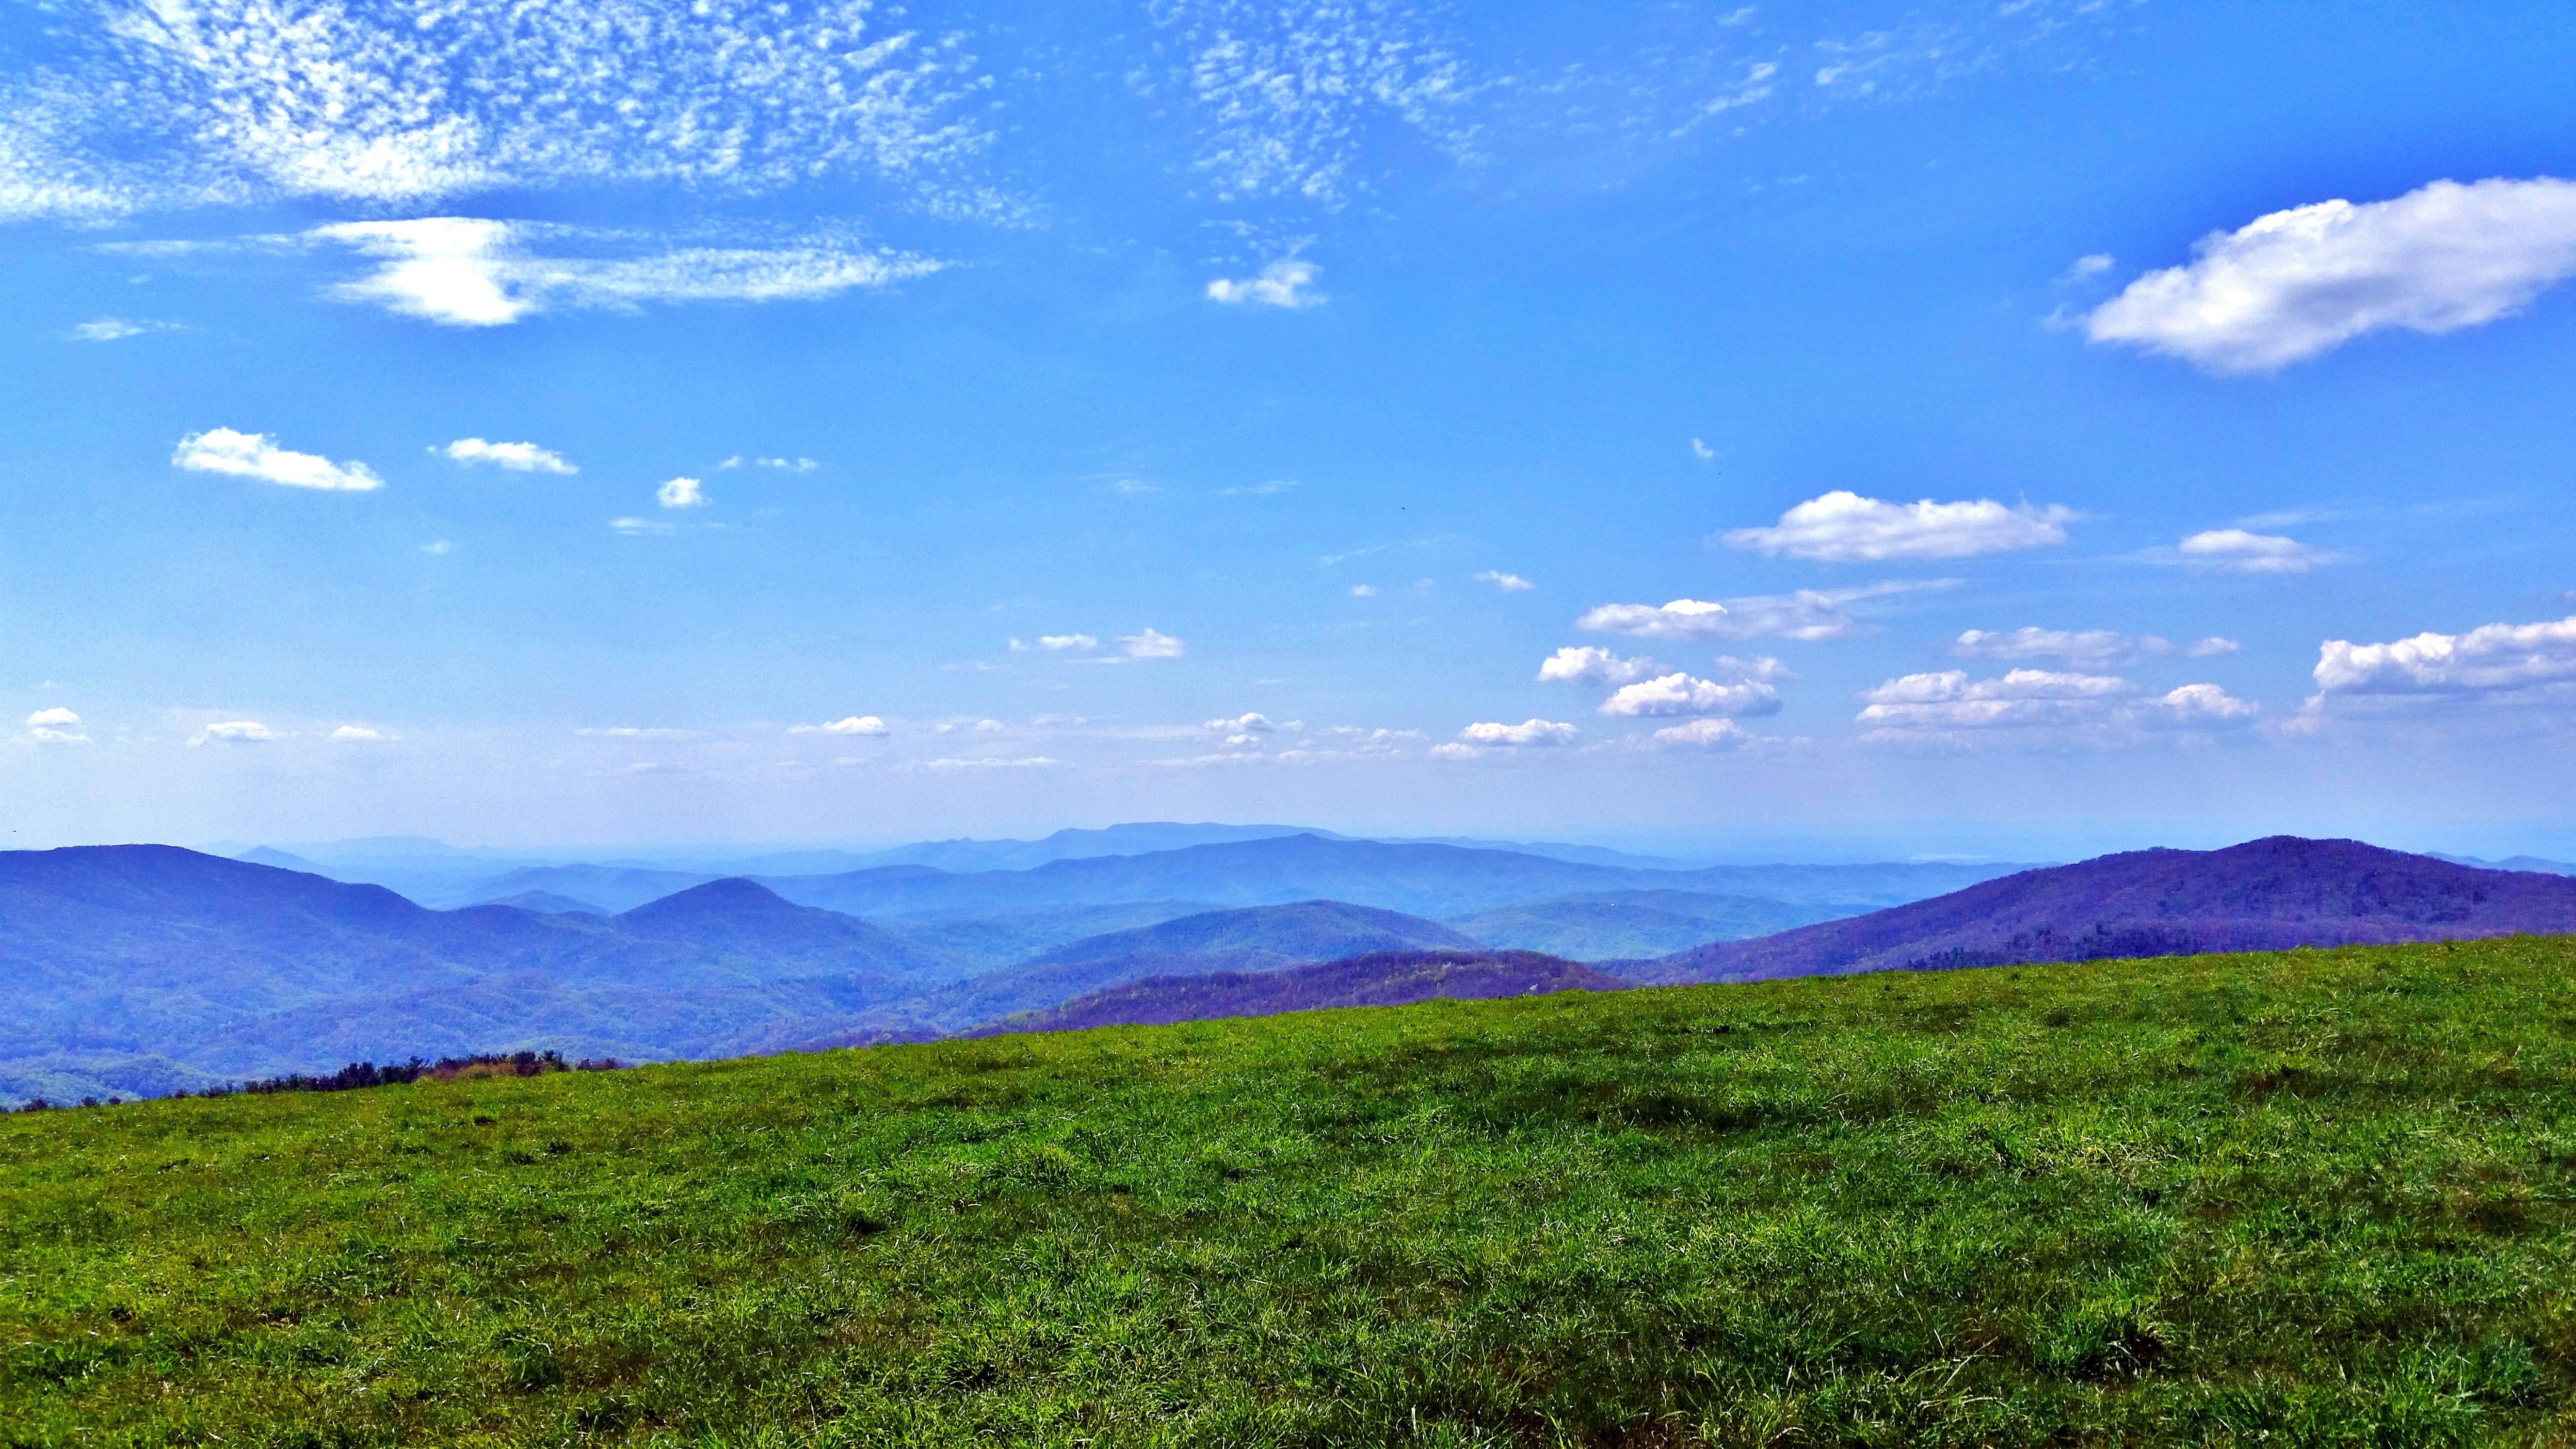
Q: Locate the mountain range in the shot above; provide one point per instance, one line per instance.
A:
(136, 969)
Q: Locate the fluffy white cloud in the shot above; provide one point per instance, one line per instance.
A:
(1680, 694)
(680, 493)
(1703, 451)
(1508, 583)
(256, 455)
(2297, 283)
(2491, 659)
(176, 102)
(1067, 641)
(857, 724)
(1843, 527)
(1251, 724)
(357, 735)
(1808, 614)
(1150, 644)
(2195, 706)
(509, 457)
(1590, 664)
(1281, 284)
(1703, 734)
(477, 272)
(2099, 708)
(1526, 733)
(238, 732)
(2211, 647)
(2235, 551)
(56, 726)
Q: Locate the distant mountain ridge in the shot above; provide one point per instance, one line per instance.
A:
(2269, 894)
(1381, 978)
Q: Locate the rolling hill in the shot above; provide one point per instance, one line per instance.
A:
(2266, 894)
(1620, 925)
(1378, 978)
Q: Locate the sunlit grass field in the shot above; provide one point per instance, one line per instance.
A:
(2312, 1198)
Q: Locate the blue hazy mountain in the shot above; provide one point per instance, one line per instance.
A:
(1383, 978)
(1621, 925)
(1436, 881)
(2264, 895)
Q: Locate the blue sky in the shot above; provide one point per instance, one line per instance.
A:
(1855, 428)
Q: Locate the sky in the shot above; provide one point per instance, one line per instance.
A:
(1848, 429)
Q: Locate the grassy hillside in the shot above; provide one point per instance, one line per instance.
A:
(2316, 1197)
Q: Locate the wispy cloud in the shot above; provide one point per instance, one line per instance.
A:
(1808, 614)
(2295, 284)
(477, 272)
(509, 457)
(115, 329)
(1280, 284)
(2237, 551)
(256, 455)
(1295, 92)
(179, 102)
(857, 724)
(1508, 583)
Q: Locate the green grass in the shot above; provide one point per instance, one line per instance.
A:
(2312, 1198)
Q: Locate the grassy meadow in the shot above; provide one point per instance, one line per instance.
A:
(2321, 1197)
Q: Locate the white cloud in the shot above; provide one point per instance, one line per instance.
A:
(1455, 751)
(438, 546)
(1250, 724)
(1281, 284)
(1363, 591)
(1150, 644)
(951, 766)
(180, 102)
(1843, 527)
(2097, 708)
(1528, 733)
(1590, 664)
(2492, 659)
(2086, 267)
(680, 493)
(789, 465)
(857, 724)
(238, 731)
(970, 726)
(1266, 489)
(509, 457)
(114, 329)
(1508, 583)
(2081, 647)
(1703, 451)
(1808, 614)
(2235, 551)
(256, 455)
(2298, 283)
(357, 735)
(476, 272)
(56, 726)
(1680, 694)
(1067, 641)
(641, 526)
(2196, 706)
(1703, 734)
(2211, 647)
